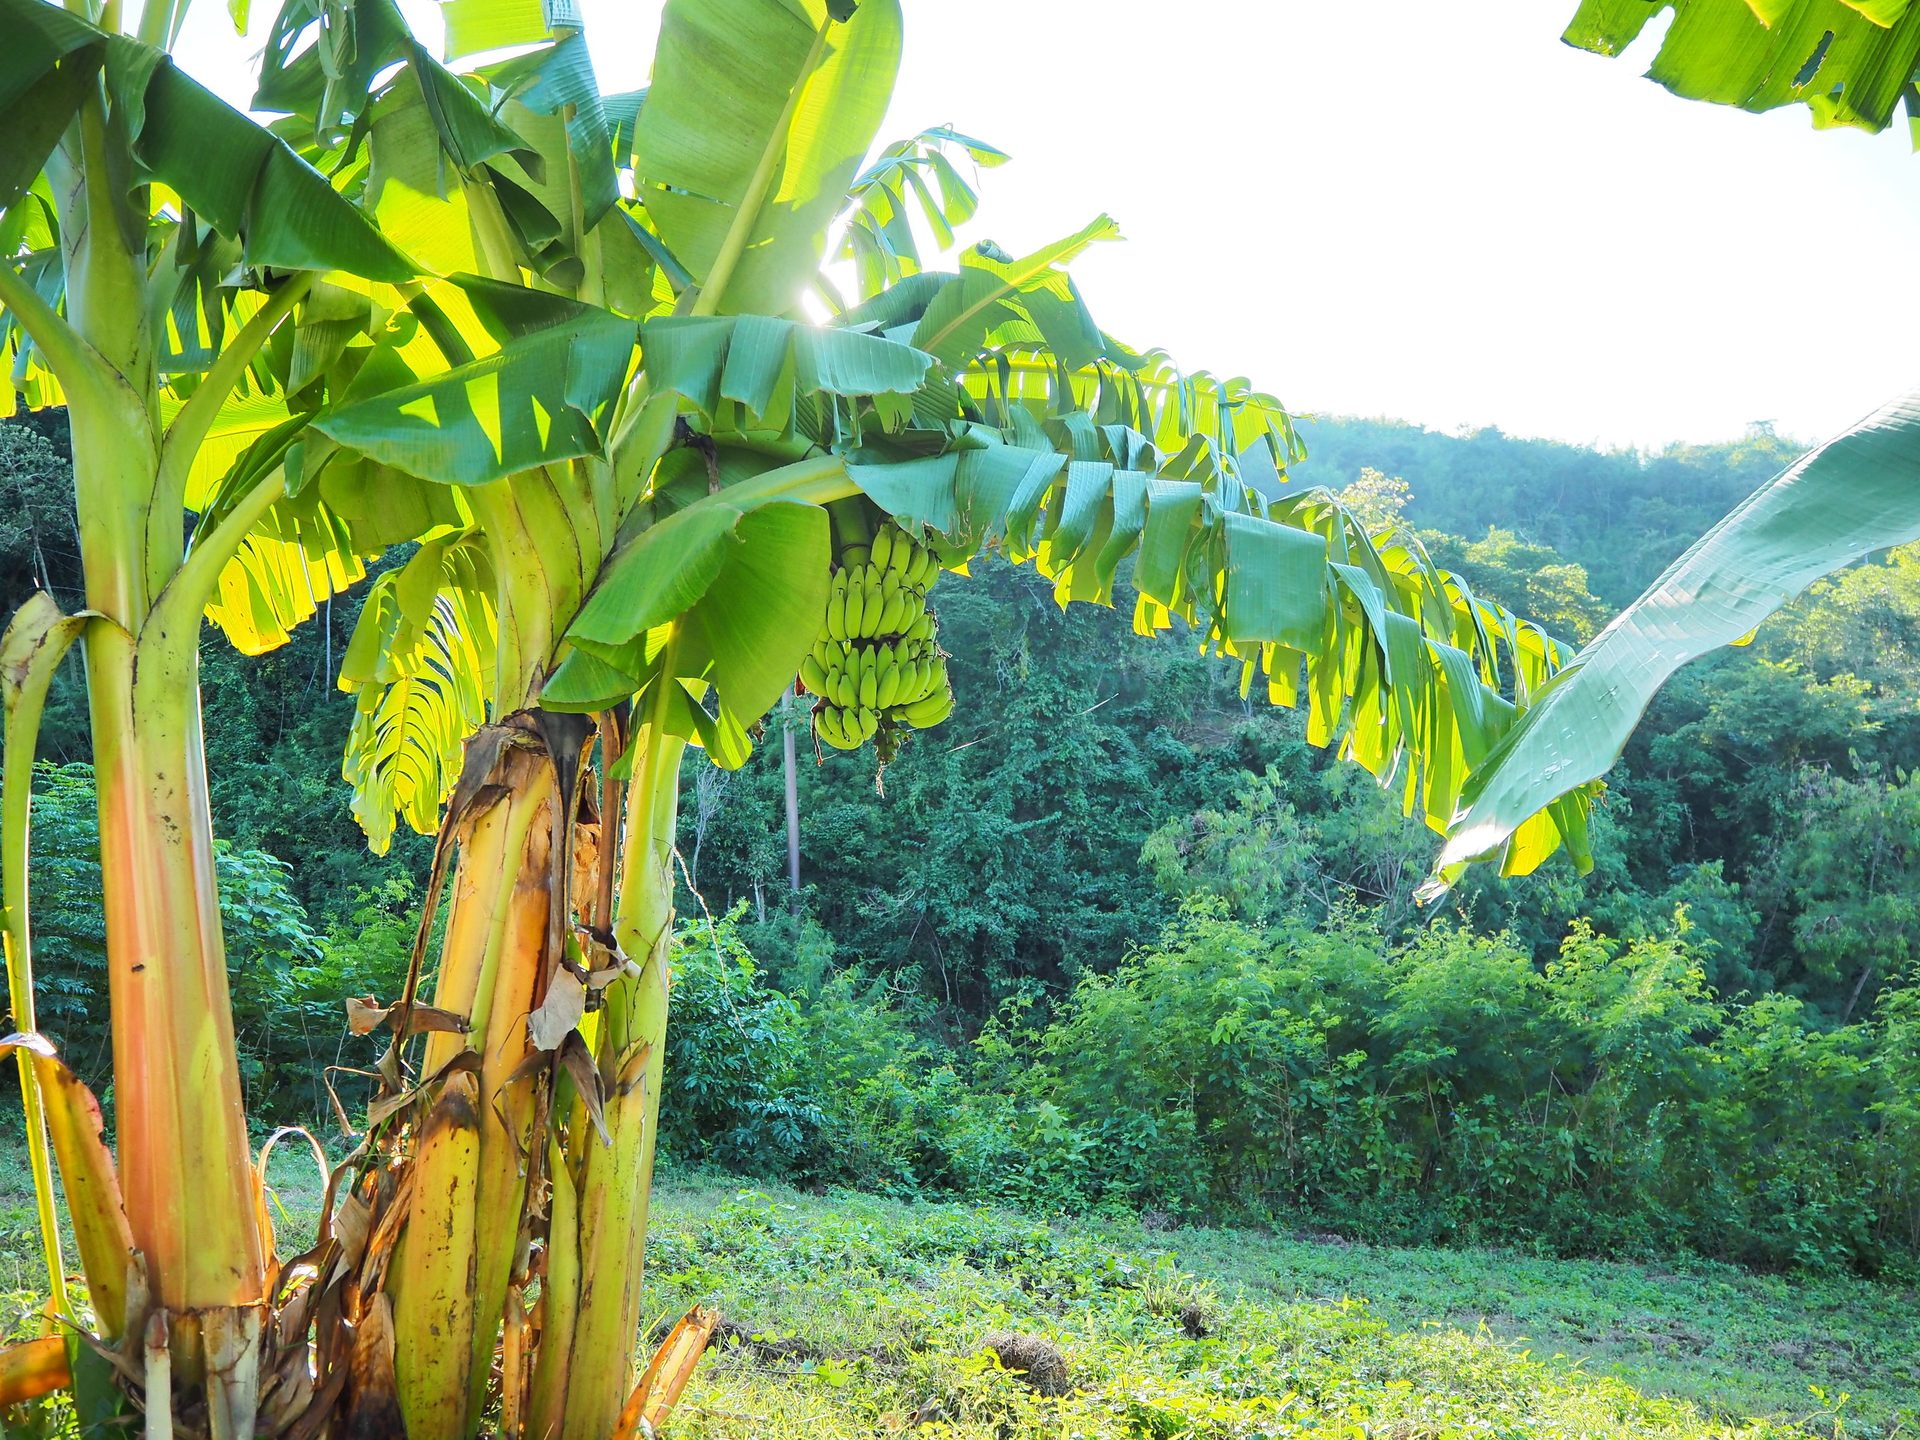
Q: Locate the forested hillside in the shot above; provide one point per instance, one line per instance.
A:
(1115, 935)
(1622, 514)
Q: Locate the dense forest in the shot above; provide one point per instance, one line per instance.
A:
(1115, 936)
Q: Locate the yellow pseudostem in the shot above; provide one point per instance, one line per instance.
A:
(584, 1372)
(491, 967)
(431, 1279)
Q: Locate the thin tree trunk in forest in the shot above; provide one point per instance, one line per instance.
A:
(1866, 973)
(791, 766)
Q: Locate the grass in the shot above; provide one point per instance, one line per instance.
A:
(856, 1316)
(872, 1311)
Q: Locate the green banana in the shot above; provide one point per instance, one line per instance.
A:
(877, 661)
(856, 607)
(925, 714)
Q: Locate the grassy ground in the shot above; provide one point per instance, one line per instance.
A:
(853, 1316)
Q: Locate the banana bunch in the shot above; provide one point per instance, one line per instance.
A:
(876, 665)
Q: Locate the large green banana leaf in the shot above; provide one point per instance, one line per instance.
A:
(1858, 493)
(238, 178)
(1849, 61)
(768, 369)
(541, 397)
(757, 121)
(1395, 659)
(720, 593)
(330, 78)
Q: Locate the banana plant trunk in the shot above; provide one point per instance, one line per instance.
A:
(456, 1259)
(182, 1138)
(461, 1271)
(183, 1154)
(603, 1187)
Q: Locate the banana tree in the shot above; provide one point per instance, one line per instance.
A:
(189, 286)
(661, 468)
(1851, 64)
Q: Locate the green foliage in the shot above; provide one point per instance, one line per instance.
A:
(1846, 867)
(38, 535)
(1555, 592)
(1292, 842)
(69, 927)
(837, 1087)
(733, 1052)
(40, 550)
(930, 1018)
(1442, 1088)
(1563, 1061)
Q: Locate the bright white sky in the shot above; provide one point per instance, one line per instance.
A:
(1434, 212)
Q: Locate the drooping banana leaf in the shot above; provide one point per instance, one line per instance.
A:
(1108, 452)
(1414, 676)
(1858, 493)
(759, 372)
(417, 665)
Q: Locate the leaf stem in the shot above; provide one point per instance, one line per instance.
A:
(192, 585)
(30, 652)
(189, 429)
(74, 362)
